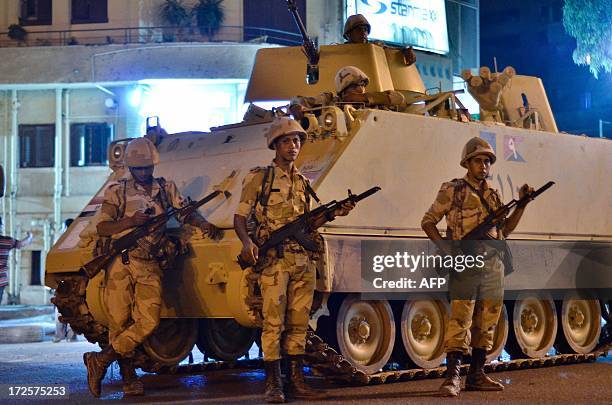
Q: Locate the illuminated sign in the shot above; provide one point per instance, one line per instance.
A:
(420, 23)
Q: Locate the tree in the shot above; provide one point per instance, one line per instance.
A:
(590, 23)
(209, 16)
(174, 13)
(17, 32)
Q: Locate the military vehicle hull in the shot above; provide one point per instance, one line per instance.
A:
(409, 156)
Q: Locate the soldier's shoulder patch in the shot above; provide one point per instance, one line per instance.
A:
(257, 169)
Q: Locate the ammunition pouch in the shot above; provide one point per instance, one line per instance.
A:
(170, 248)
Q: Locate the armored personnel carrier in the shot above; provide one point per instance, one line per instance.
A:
(567, 232)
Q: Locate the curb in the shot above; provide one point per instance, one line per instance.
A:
(8, 312)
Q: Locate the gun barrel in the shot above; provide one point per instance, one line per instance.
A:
(366, 194)
(298, 20)
(542, 189)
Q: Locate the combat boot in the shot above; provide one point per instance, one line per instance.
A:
(296, 387)
(96, 364)
(274, 385)
(477, 380)
(132, 386)
(452, 385)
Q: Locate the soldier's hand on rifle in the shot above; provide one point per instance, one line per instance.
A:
(250, 252)
(525, 190)
(344, 209)
(209, 229)
(138, 218)
(409, 56)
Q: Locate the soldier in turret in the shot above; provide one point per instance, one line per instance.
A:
(133, 287)
(275, 196)
(351, 83)
(356, 31)
(477, 294)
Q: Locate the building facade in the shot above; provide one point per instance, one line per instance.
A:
(89, 72)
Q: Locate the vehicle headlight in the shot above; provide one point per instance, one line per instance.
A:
(329, 121)
(117, 152)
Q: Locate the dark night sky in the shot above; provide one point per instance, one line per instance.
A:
(529, 35)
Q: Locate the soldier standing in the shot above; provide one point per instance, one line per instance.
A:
(133, 288)
(476, 295)
(351, 83)
(277, 195)
(356, 31)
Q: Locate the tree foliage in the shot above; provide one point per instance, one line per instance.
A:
(590, 23)
(175, 13)
(209, 16)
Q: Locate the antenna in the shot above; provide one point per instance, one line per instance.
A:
(495, 64)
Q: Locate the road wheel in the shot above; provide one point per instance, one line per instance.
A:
(421, 330)
(225, 339)
(534, 326)
(172, 341)
(580, 321)
(501, 336)
(365, 332)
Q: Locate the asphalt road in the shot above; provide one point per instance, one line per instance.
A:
(48, 363)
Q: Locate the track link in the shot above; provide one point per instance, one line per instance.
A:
(325, 360)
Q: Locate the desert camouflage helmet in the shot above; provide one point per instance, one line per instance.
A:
(353, 22)
(476, 146)
(284, 126)
(349, 75)
(141, 152)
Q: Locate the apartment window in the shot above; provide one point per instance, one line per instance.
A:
(36, 145)
(89, 144)
(35, 12)
(89, 11)
(35, 278)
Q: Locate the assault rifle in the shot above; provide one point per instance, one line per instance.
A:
(301, 228)
(480, 232)
(129, 241)
(308, 46)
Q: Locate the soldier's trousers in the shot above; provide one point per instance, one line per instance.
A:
(133, 300)
(476, 303)
(287, 288)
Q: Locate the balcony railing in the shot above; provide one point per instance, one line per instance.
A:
(144, 35)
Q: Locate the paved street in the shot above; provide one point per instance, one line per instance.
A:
(61, 363)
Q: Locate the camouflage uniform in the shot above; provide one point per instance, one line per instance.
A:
(287, 284)
(464, 211)
(133, 291)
